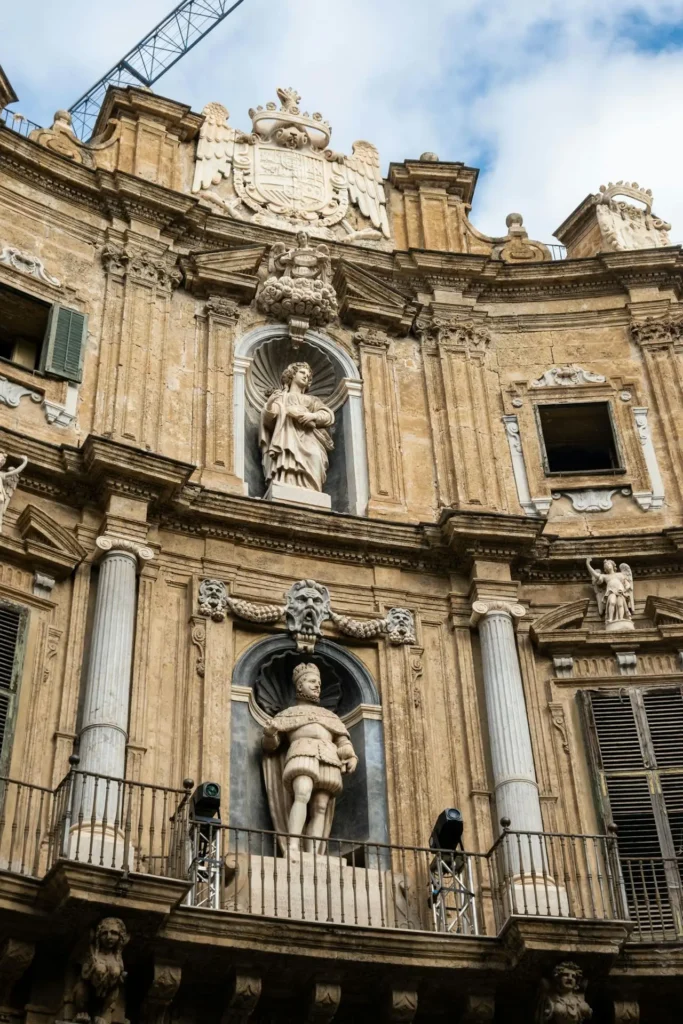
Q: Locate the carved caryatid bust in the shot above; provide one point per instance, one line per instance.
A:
(562, 998)
(307, 750)
(294, 439)
(102, 973)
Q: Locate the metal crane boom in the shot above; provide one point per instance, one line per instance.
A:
(161, 48)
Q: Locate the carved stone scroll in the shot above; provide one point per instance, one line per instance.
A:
(161, 993)
(401, 1005)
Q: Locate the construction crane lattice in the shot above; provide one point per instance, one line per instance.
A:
(161, 48)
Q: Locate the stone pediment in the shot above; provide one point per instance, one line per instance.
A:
(561, 625)
(47, 543)
(363, 298)
(226, 272)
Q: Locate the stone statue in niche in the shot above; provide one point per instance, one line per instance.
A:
(307, 750)
(294, 440)
(9, 478)
(563, 1001)
(614, 594)
(102, 974)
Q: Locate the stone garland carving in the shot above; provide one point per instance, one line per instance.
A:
(102, 973)
(144, 267)
(9, 478)
(562, 998)
(614, 594)
(307, 607)
(297, 290)
(27, 263)
(569, 375)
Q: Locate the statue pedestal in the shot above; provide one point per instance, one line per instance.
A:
(297, 496)
(620, 626)
(314, 887)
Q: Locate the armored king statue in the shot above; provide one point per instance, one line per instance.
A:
(307, 749)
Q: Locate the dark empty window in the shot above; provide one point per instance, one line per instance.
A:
(578, 437)
(23, 326)
(38, 335)
(13, 620)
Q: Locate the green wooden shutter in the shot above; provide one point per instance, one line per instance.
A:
(64, 346)
(636, 747)
(13, 621)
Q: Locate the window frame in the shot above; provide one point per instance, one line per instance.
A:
(7, 744)
(47, 344)
(618, 470)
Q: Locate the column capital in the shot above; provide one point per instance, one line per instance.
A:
(480, 609)
(111, 545)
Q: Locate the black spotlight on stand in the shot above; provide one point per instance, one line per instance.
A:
(451, 896)
(205, 833)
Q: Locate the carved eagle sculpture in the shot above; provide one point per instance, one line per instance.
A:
(360, 172)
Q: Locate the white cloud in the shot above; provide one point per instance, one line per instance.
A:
(552, 97)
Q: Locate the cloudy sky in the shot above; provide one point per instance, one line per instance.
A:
(550, 100)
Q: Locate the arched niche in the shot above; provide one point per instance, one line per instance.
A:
(261, 685)
(263, 353)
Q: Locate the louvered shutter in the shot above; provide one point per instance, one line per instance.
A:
(67, 331)
(12, 626)
(637, 750)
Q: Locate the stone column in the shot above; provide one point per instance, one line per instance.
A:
(104, 731)
(514, 777)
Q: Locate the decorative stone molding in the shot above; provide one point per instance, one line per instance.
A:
(567, 376)
(531, 506)
(144, 267)
(478, 1009)
(27, 263)
(561, 999)
(307, 607)
(16, 956)
(161, 993)
(112, 544)
(558, 719)
(517, 247)
(654, 498)
(62, 415)
(455, 333)
(246, 992)
(627, 662)
(625, 226)
(482, 608)
(626, 1011)
(198, 638)
(11, 393)
(592, 499)
(227, 309)
(657, 332)
(371, 337)
(43, 585)
(400, 1005)
(298, 289)
(323, 1003)
(564, 666)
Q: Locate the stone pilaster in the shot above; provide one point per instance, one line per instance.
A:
(104, 731)
(514, 776)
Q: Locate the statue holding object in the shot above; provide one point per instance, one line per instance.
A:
(614, 594)
(303, 779)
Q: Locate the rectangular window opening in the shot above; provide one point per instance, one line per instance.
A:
(578, 437)
(23, 328)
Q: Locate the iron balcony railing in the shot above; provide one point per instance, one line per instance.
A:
(16, 122)
(138, 827)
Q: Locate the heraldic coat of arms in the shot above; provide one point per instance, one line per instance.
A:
(283, 174)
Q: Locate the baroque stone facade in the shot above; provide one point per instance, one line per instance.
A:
(182, 527)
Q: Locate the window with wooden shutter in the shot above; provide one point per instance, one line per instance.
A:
(66, 335)
(13, 621)
(636, 745)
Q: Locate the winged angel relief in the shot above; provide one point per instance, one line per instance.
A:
(284, 175)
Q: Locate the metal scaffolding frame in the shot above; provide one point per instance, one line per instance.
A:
(183, 28)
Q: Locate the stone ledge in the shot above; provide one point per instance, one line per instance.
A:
(528, 941)
(69, 885)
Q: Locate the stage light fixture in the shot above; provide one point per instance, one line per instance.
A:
(206, 802)
(447, 831)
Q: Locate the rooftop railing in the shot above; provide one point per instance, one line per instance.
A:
(16, 122)
(138, 827)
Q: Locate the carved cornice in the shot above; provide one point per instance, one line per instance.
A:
(230, 272)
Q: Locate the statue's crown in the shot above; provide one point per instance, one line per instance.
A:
(631, 189)
(288, 126)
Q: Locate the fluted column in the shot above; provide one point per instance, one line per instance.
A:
(104, 731)
(514, 776)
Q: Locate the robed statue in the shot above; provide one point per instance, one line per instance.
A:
(294, 439)
(307, 750)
